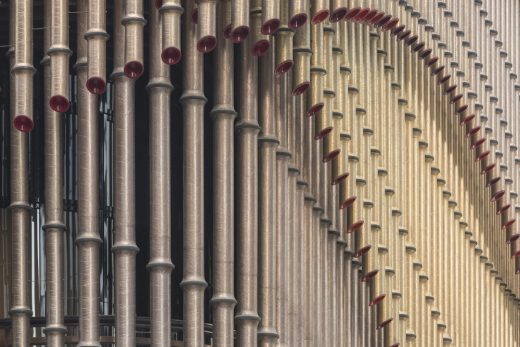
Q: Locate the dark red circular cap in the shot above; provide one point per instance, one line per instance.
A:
(261, 47)
(361, 15)
(171, 55)
(134, 69)
(338, 14)
(391, 24)
(207, 44)
(301, 88)
(348, 203)
(59, 103)
(320, 16)
(270, 26)
(322, 133)
(96, 85)
(297, 20)
(351, 13)
(284, 67)
(333, 154)
(377, 300)
(239, 34)
(315, 109)
(23, 123)
(383, 21)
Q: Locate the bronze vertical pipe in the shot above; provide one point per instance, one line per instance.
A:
(223, 114)
(133, 22)
(339, 10)
(193, 101)
(124, 248)
(302, 61)
(268, 142)
(239, 20)
(54, 225)
(284, 43)
(207, 23)
(96, 37)
(270, 16)
(88, 239)
(260, 41)
(298, 10)
(59, 54)
(319, 11)
(171, 11)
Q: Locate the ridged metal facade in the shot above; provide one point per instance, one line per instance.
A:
(259, 173)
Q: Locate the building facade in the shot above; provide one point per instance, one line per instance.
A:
(321, 173)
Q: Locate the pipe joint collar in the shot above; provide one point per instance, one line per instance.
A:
(226, 299)
(54, 225)
(194, 281)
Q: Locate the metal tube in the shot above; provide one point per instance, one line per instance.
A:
(339, 10)
(133, 22)
(124, 248)
(193, 100)
(302, 61)
(298, 10)
(96, 37)
(223, 114)
(88, 239)
(171, 11)
(54, 224)
(268, 142)
(207, 23)
(284, 44)
(270, 16)
(319, 11)
(260, 41)
(239, 20)
(59, 54)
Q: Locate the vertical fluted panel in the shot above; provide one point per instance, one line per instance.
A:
(54, 225)
(193, 101)
(124, 247)
(223, 114)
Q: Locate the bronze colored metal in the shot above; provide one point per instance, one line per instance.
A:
(239, 20)
(133, 22)
(171, 11)
(270, 16)
(59, 53)
(96, 37)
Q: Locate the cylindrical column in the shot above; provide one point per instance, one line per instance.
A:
(124, 247)
(260, 41)
(270, 16)
(171, 11)
(239, 20)
(88, 239)
(207, 22)
(302, 61)
(54, 224)
(298, 10)
(133, 22)
(193, 100)
(284, 44)
(96, 37)
(319, 11)
(223, 114)
(59, 53)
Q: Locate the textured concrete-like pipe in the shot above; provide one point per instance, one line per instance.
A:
(96, 37)
(268, 142)
(54, 225)
(270, 16)
(223, 114)
(239, 20)
(20, 210)
(207, 25)
(88, 239)
(133, 22)
(284, 44)
(59, 54)
(193, 100)
(302, 62)
(124, 248)
(171, 11)
(22, 68)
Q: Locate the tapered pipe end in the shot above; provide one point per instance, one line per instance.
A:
(340, 178)
(355, 227)
(360, 17)
(370, 16)
(207, 44)
(376, 18)
(171, 55)
(59, 103)
(331, 155)
(384, 324)
(348, 202)
(239, 34)
(363, 250)
(377, 300)
(261, 47)
(338, 14)
(322, 133)
(320, 16)
(227, 31)
(298, 20)
(270, 26)
(301, 88)
(23, 123)
(392, 23)
(284, 67)
(351, 13)
(512, 239)
(316, 108)
(134, 69)
(397, 344)
(96, 85)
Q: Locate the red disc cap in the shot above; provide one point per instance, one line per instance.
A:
(320, 16)
(59, 103)
(134, 69)
(23, 123)
(207, 44)
(96, 85)
(338, 14)
(323, 133)
(315, 109)
(284, 67)
(171, 55)
(261, 47)
(297, 20)
(331, 155)
(348, 202)
(351, 13)
(301, 88)
(270, 26)
(239, 34)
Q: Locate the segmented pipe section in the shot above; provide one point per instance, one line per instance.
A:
(59, 54)
(193, 101)
(171, 11)
(223, 113)
(96, 37)
(239, 20)
(133, 22)
(207, 23)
